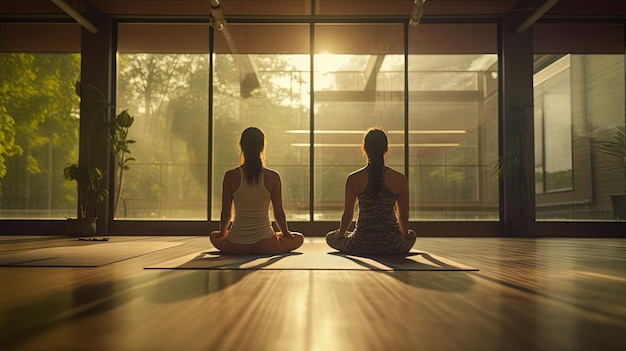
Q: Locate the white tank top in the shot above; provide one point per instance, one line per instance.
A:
(252, 217)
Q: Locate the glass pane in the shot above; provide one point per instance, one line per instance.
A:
(579, 106)
(453, 140)
(553, 127)
(453, 121)
(164, 85)
(357, 86)
(271, 92)
(39, 112)
(275, 103)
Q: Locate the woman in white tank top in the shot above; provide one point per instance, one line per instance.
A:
(252, 188)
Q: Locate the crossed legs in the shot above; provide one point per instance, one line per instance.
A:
(271, 246)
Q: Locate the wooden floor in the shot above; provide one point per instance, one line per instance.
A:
(530, 294)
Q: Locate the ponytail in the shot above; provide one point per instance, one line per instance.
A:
(252, 146)
(377, 165)
(375, 145)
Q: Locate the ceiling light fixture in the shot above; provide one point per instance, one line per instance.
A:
(249, 79)
(417, 12)
(216, 19)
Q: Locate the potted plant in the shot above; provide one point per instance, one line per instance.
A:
(512, 168)
(88, 174)
(616, 147)
(90, 190)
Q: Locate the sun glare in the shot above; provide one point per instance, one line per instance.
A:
(326, 63)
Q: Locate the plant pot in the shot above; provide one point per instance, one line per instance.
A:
(81, 227)
(619, 206)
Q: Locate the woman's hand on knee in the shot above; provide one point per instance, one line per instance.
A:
(287, 234)
(218, 234)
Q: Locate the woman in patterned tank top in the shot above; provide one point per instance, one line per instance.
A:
(383, 198)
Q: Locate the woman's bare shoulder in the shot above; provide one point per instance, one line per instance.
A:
(395, 176)
(357, 181)
(232, 173)
(270, 173)
(358, 173)
(271, 177)
(393, 173)
(233, 177)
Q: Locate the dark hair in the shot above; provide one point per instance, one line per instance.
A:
(252, 145)
(375, 146)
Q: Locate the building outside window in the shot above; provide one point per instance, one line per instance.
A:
(579, 104)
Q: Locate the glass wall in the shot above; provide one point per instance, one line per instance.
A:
(453, 122)
(357, 74)
(359, 83)
(163, 81)
(314, 92)
(266, 84)
(39, 119)
(579, 109)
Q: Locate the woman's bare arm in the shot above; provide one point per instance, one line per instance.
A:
(348, 206)
(402, 205)
(277, 203)
(227, 204)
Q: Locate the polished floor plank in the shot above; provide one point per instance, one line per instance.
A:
(530, 294)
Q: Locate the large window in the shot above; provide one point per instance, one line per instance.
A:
(163, 80)
(266, 84)
(453, 129)
(579, 106)
(357, 73)
(39, 66)
(553, 127)
(359, 83)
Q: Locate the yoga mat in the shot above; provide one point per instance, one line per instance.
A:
(90, 255)
(313, 256)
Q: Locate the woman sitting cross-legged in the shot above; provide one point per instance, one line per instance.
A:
(251, 187)
(382, 193)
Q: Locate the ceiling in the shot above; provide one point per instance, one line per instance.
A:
(573, 9)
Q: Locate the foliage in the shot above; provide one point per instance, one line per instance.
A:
(616, 148)
(454, 181)
(170, 93)
(39, 130)
(8, 148)
(558, 180)
(9, 75)
(120, 148)
(89, 185)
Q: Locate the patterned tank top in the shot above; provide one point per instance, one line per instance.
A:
(377, 230)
